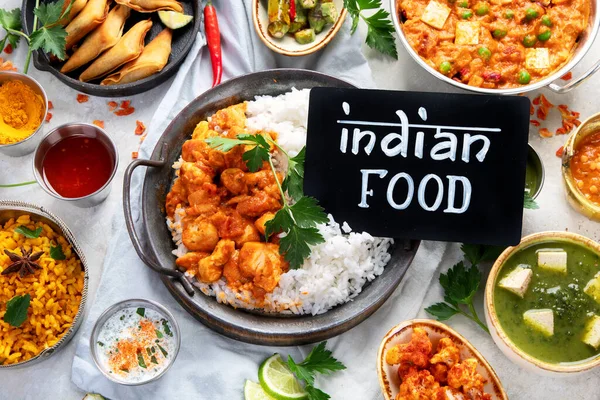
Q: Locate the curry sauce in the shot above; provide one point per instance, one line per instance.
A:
(494, 44)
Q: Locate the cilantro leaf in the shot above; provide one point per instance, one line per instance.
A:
(441, 311)
(529, 202)
(222, 143)
(380, 31)
(258, 139)
(476, 253)
(57, 253)
(49, 13)
(280, 223)
(11, 20)
(316, 394)
(16, 310)
(255, 157)
(307, 213)
(460, 284)
(28, 233)
(294, 180)
(295, 245)
(51, 39)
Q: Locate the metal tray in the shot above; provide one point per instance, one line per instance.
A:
(153, 241)
(13, 209)
(183, 39)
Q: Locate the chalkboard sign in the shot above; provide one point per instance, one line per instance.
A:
(432, 166)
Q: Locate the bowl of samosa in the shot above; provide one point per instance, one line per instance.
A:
(118, 48)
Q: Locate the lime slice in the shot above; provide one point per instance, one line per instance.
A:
(278, 381)
(173, 19)
(253, 391)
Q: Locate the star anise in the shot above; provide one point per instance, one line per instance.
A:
(25, 264)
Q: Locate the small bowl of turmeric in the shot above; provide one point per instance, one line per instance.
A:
(23, 108)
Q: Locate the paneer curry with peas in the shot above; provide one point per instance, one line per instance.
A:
(436, 375)
(497, 43)
(226, 208)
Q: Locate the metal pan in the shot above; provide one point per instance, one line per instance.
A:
(152, 239)
(584, 45)
(183, 39)
(13, 209)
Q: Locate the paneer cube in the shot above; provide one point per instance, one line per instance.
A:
(517, 281)
(592, 288)
(537, 58)
(541, 320)
(467, 33)
(592, 332)
(435, 14)
(553, 261)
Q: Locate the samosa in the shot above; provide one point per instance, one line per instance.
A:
(148, 6)
(77, 6)
(93, 14)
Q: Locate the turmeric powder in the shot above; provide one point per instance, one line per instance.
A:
(21, 111)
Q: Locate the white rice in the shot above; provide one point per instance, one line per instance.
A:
(337, 269)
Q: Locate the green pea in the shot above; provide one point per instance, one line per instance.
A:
(484, 53)
(544, 35)
(499, 33)
(523, 78)
(529, 40)
(463, 4)
(546, 21)
(445, 67)
(509, 14)
(531, 14)
(482, 10)
(466, 14)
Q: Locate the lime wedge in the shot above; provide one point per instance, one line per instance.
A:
(278, 381)
(253, 391)
(173, 19)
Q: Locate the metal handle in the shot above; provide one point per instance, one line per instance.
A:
(575, 82)
(137, 245)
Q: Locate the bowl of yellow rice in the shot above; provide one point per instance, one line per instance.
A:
(54, 284)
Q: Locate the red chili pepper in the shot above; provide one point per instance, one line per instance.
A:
(213, 38)
(292, 10)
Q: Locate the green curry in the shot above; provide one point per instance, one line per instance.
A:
(561, 293)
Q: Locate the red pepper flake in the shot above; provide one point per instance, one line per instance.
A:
(124, 111)
(542, 113)
(491, 76)
(48, 117)
(112, 105)
(545, 133)
(125, 103)
(534, 122)
(531, 109)
(8, 49)
(536, 101)
(82, 98)
(139, 127)
(567, 76)
(561, 131)
(50, 105)
(560, 151)
(98, 123)
(545, 102)
(292, 11)
(576, 122)
(6, 65)
(134, 154)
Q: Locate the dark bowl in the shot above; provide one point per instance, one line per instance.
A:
(182, 42)
(252, 327)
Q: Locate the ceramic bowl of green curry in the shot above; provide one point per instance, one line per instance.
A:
(542, 303)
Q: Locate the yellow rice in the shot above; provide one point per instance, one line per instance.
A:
(55, 291)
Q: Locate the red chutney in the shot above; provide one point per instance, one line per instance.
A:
(77, 166)
(585, 167)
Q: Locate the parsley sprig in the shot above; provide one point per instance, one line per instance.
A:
(461, 283)
(50, 37)
(319, 360)
(298, 221)
(380, 31)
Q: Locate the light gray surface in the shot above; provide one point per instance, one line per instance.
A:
(95, 227)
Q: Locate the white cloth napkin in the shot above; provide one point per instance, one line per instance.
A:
(210, 366)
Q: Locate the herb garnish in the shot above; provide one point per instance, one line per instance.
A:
(162, 350)
(100, 344)
(50, 37)
(297, 221)
(529, 202)
(25, 264)
(153, 359)
(57, 253)
(165, 325)
(460, 285)
(318, 360)
(16, 310)
(158, 334)
(380, 31)
(141, 361)
(141, 311)
(28, 233)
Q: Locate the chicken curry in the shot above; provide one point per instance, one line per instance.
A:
(437, 376)
(226, 209)
(497, 43)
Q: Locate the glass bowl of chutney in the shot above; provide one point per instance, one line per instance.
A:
(581, 168)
